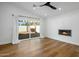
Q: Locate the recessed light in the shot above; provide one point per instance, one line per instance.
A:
(59, 8)
(45, 14)
(34, 8)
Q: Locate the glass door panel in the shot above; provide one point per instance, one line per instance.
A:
(28, 28)
(34, 26)
(22, 28)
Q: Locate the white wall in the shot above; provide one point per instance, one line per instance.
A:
(68, 20)
(8, 22)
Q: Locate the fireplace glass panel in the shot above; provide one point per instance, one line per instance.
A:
(65, 32)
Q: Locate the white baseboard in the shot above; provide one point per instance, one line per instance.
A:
(65, 41)
(3, 43)
(16, 42)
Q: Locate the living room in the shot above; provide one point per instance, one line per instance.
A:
(39, 29)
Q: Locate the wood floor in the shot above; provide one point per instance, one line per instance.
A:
(40, 48)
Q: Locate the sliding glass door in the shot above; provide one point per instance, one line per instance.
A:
(34, 28)
(28, 28)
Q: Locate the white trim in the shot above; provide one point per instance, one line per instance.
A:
(14, 31)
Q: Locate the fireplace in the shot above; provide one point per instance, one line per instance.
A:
(64, 32)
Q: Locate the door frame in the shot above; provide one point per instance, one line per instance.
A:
(15, 39)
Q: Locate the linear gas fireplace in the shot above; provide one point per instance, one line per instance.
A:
(64, 32)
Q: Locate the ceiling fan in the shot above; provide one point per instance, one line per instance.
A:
(46, 4)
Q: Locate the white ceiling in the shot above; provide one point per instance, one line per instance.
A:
(47, 11)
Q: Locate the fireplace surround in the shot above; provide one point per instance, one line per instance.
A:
(65, 32)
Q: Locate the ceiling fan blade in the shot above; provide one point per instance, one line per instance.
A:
(46, 4)
(49, 5)
(53, 7)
